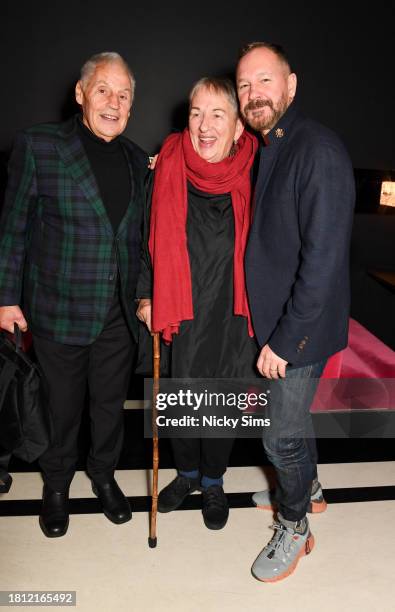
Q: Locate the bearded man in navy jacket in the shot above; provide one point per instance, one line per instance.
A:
(297, 269)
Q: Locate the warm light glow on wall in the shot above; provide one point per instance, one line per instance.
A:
(387, 196)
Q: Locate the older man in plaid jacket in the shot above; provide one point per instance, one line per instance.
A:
(69, 260)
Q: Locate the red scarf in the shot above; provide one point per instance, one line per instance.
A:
(177, 163)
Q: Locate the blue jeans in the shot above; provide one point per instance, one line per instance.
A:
(289, 442)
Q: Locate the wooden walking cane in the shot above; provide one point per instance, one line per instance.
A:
(152, 540)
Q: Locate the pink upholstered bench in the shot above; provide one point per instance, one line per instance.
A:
(366, 357)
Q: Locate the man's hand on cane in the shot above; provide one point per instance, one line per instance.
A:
(143, 312)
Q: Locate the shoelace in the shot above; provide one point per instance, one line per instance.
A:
(279, 538)
(213, 497)
(182, 484)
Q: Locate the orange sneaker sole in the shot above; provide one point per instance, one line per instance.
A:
(313, 507)
(306, 550)
(317, 507)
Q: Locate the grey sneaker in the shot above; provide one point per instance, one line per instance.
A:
(265, 500)
(280, 556)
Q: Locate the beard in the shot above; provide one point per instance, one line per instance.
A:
(264, 122)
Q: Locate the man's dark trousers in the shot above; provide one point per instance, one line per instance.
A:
(103, 368)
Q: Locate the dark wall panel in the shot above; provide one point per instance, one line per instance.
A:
(344, 62)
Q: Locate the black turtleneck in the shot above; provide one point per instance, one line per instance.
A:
(111, 169)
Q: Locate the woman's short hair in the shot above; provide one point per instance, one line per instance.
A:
(221, 85)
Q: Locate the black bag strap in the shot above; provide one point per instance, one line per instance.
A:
(6, 375)
(17, 337)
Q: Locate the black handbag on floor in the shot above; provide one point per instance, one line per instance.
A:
(24, 417)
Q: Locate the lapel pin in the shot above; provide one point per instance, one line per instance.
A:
(279, 133)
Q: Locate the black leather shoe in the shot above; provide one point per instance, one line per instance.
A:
(172, 496)
(54, 517)
(215, 507)
(5, 482)
(114, 503)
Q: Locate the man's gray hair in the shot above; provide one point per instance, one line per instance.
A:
(221, 85)
(106, 57)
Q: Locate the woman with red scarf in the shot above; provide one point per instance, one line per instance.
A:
(200, 216)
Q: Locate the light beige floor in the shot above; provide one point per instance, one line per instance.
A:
(28, 485)
(194, 569)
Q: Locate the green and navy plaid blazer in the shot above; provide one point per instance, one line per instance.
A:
(59, 256)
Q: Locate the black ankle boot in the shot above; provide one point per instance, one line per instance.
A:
(54, 517)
